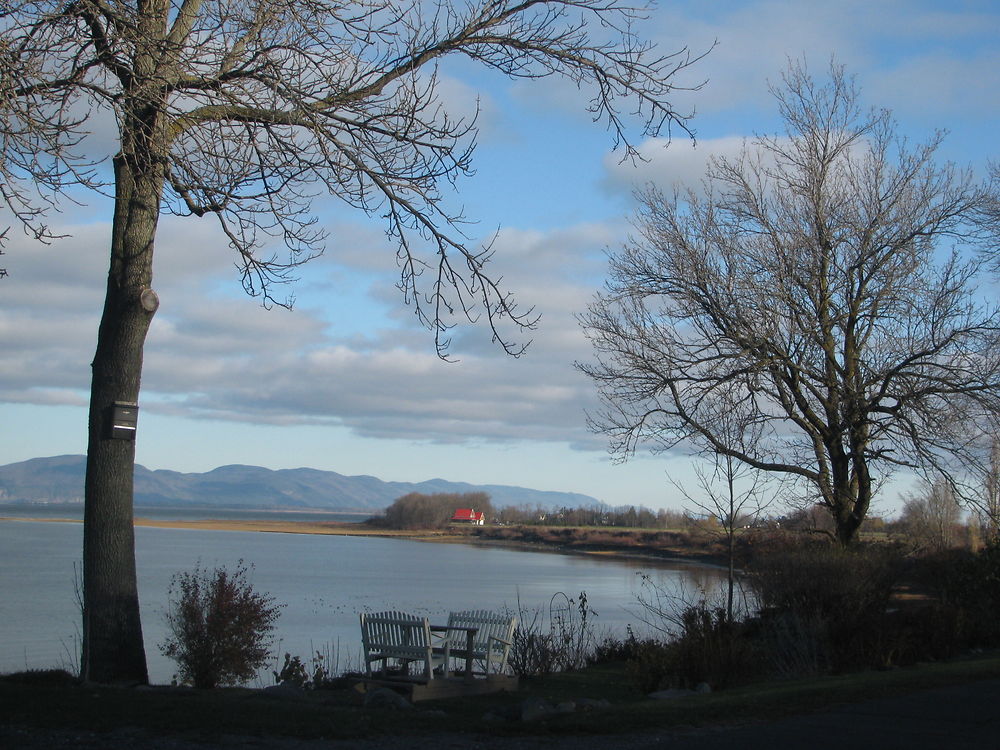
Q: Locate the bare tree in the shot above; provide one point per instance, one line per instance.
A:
(931, 515)
(247, 111)
(987, 505)
(822, 281)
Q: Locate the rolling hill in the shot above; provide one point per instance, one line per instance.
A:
(60, 480)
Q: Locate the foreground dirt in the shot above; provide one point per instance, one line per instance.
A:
(122, 739)
(954, 717)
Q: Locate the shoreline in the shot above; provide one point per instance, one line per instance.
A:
(676, 555)
(328, 528)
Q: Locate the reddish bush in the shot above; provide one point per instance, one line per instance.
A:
(220, 628)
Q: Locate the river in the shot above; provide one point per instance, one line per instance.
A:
(324, 582)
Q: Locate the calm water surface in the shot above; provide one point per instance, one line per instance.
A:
(323, 581)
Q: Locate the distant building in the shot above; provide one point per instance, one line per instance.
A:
(468, 516)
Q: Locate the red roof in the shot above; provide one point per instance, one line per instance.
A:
(467, 514)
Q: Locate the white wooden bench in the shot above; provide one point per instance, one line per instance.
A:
(401, 637)
(491, 641)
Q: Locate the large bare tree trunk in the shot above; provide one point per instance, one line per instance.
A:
(112, 631)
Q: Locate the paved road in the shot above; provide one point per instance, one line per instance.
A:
(952, 718)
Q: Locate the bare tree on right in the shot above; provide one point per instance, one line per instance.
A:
(825, 284)
(932, 517)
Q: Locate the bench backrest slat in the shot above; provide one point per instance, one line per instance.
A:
(493, 629)
(383, 631)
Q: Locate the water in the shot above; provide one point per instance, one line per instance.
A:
(323, 581)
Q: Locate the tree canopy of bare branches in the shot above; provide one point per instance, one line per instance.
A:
(823, 287)
(931, 516)
(248, 111)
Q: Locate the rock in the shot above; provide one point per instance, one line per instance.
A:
(388, 699)
(666, 695)
(503, 713)
(506, 713)
(703, 687)
(282, 690)
(566, 707)
(592, 704)
(535, 708)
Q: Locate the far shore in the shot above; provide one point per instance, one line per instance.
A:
(676, 554)
(335, 528)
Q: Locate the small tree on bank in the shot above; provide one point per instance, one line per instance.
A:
(734, 495)
(823, 284)
(245, 112)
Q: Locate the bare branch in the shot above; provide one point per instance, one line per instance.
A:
(255, 109)
(802, 289)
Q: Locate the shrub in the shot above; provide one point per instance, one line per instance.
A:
(711, 648)
(40, 678)
(794, 644)
(825, 606)
(965, 590)
(610, 648)
(652, 666)
(533, 653)
(294, 672)
(707, 647)
(220, 628)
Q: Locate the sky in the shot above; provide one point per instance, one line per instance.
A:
(348, 381)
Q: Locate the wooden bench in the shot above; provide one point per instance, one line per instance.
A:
(404, 638)
(491, 641)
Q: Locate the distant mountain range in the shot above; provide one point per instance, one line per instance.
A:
(60, 479)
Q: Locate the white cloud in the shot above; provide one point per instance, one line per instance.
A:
(677, 165)
(214, 354)
(933, 87)
(916, 57)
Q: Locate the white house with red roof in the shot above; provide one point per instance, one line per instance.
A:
(469, 516)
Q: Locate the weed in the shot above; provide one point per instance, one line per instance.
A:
(567, 643)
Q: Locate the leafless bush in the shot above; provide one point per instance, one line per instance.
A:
(220, 628)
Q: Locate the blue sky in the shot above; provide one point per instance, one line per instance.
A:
(347, 381)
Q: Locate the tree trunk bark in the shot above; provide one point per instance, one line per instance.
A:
(113, 648)
(848, 515)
